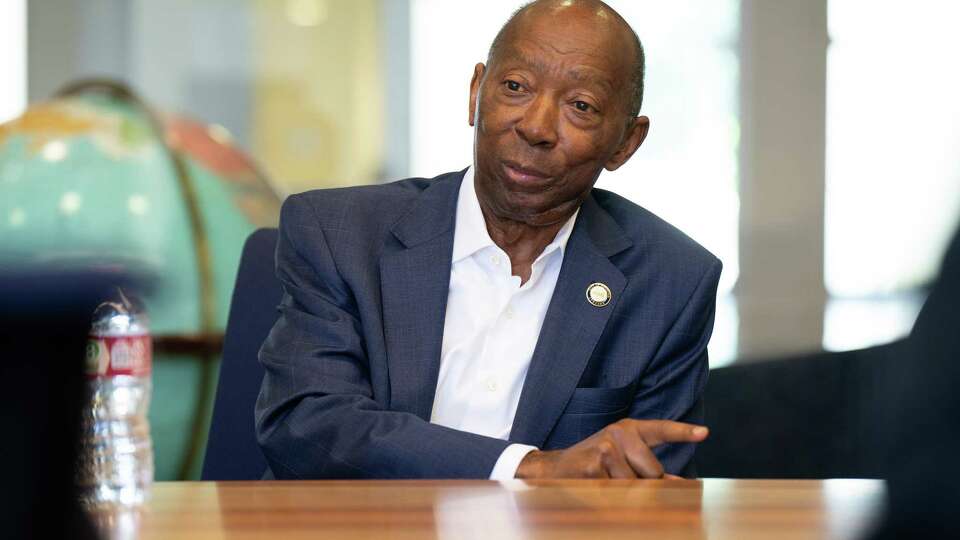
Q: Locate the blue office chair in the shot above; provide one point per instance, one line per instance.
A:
(821, 415)
(232, 449)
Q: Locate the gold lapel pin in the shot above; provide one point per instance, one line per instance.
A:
(599, 294)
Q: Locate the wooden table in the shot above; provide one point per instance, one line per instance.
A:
(708, 509)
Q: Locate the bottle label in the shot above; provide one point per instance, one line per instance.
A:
(108, 356)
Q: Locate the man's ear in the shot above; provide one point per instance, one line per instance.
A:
(478, 71)
(636, 133)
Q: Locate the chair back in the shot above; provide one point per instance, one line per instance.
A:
(823, 415)
(232, 449)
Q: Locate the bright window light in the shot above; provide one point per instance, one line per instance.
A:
(893, 167)
(13, 58)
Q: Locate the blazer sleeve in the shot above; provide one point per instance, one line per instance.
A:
(316, 416)
(672, 387)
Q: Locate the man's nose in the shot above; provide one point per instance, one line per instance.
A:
(538, 126)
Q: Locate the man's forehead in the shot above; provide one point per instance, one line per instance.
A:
(585, 52)
(576, 28)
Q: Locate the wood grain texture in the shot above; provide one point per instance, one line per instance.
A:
(712, 508)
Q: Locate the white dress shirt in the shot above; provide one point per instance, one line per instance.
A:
(491, 328)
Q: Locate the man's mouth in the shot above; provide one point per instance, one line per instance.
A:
(524, 174)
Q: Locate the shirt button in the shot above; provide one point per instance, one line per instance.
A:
(495, 260)
(509, 312)
(491, 385)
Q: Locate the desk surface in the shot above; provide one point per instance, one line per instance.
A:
(712, 508)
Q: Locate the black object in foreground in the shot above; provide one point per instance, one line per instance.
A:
(924, 463)
(44, 320)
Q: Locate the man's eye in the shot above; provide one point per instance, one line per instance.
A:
(513, 86)
(582, 106)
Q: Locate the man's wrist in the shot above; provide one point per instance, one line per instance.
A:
(506, 466)
(532, 465)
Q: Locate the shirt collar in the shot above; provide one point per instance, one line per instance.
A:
(470, 232)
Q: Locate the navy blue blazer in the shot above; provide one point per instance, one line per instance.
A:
(351, 365)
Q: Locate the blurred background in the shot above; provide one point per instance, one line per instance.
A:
(810, 144)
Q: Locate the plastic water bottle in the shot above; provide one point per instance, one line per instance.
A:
(116, 464)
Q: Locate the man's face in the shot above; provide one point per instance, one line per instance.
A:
(553, 112)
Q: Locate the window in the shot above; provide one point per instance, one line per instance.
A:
(13, 58)
(893, 171)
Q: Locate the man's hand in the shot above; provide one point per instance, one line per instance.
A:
(620, 450)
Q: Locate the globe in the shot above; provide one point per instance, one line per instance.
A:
(94, 176)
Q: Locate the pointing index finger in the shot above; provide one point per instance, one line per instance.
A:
(657, 432)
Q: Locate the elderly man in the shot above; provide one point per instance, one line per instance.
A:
(508, 320)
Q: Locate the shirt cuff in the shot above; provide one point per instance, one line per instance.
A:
(506, 466)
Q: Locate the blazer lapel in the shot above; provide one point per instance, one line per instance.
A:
(415, 280)
(572, 325)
